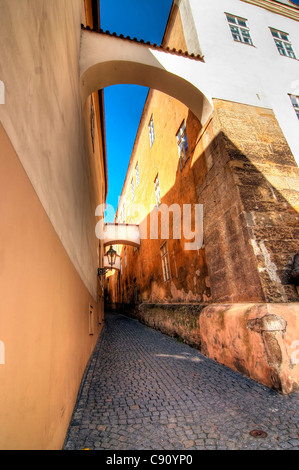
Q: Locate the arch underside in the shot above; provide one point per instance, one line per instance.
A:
(121, 241)
(124, 72)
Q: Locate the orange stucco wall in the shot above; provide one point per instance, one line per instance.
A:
(44, 318)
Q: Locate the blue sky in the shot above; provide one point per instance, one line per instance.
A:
(143, 19)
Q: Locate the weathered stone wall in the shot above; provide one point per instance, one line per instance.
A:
(180, 321)
(257, 340)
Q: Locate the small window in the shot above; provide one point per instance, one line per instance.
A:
(239, 29)
(295, 103)
(137, 174)
(132, 189)
(92, 123)
(165, 262)
(283, 44)
(183, 147)
(157, 191)
(151, 131)
(128, 295)
(122, 214)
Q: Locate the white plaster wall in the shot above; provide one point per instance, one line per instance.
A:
(256, 75)
(43, 117)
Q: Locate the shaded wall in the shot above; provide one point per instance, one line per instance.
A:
(44, 322)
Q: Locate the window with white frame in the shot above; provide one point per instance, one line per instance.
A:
(165, 262)
(239, 29)
(137, 174)
(151, 131)
(283, 44)
(183, 147)
(295, 103)
(132, 189)
(157, 190)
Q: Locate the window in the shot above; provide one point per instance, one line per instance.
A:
(137, 174)
(151, 131)
(283, 44)
(122, 214)
(239, 29)
(183, 147)
(165, 262)
(157, 191)
(92, 123)
(295, 103)
(132, 189)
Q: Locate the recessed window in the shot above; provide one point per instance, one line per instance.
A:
(239, 29)
(137, 174)
(157, 191)
(132, 189)
(183, 147)
(283, 44)
(165, 262)
(122, 214)
(295, 103)
(151, 131)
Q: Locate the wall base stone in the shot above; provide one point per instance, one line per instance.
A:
(259, 340)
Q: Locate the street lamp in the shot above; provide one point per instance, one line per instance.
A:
(111, 255)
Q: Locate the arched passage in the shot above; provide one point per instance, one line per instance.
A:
(106, 60)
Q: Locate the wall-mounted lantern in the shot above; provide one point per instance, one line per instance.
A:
(111, 255)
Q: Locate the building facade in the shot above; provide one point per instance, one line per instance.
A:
(241, 168)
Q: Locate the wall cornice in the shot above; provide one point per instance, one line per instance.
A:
(278, 8)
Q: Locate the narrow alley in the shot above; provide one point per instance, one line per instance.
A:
(143, 390)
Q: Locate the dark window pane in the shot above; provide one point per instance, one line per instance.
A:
(231, 19)
(275, 34)
(242, 22)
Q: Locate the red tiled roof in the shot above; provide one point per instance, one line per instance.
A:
(146, 43)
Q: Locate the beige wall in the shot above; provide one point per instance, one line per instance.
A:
(40, 46)
(51, 181)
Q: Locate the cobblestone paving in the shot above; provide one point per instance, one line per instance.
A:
(144, 390)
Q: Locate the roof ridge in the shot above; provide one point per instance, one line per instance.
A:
(145, 43)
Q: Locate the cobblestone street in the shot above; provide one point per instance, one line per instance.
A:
(144, 390)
